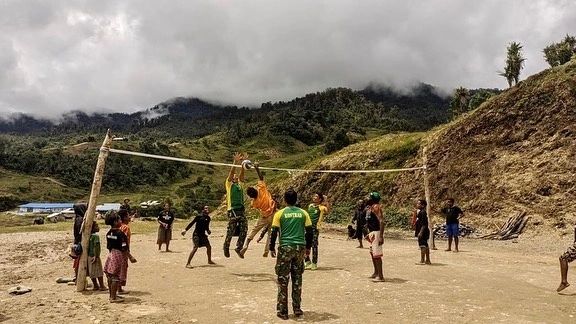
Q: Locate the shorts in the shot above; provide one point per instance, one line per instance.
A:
(570, 254)
(200, 240)
(453, 230)
(375, 247)
(423, 242)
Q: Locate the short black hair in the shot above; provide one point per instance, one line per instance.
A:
(290, 197)
(320, 196)
(80, 209)
(252, 192)
(111, 219)
(423, 202)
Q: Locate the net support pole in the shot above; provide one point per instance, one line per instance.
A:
(427, 197)
(91, 212)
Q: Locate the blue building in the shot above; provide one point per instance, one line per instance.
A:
(44, 207)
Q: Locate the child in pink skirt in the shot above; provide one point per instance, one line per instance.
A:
(117, 244)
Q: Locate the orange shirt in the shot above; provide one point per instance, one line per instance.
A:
(126, 230)
(264, 201)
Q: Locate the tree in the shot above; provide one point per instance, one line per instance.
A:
(479, 98)
(560, 53)
(514, 63)
(459, 102)
(336, 140)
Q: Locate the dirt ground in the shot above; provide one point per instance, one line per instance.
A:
(486, 282)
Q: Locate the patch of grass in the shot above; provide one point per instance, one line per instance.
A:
(32, 188)
(340, 214)
(397, 218)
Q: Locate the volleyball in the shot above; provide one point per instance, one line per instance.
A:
(247, 164)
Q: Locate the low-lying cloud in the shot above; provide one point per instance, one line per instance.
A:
(58, 56)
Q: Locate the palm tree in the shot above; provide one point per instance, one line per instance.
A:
(459, 102)
(514, 63)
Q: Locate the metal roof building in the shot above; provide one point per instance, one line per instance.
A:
(44, 207)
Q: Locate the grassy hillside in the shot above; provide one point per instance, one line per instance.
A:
(515, 152)
(30, 188)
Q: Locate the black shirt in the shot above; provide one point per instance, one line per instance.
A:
(116, 240)
(452, 214)
(202, 222)
(372, 221)
(166, 217)
(421, 221)
(126, 207)
(359, 218)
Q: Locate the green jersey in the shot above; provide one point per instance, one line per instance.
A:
(292, 222)
(316, 213)
(234, 195)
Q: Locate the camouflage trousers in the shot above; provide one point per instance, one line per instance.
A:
(315, 234)
(237, 226)
(289, 264)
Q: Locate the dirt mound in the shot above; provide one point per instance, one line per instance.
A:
(515, 152)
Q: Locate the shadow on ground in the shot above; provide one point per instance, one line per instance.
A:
(329, 269)
(311, 316)
(256, 277)
(395, 280)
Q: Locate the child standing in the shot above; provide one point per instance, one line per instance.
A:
(422, 232)
(165, 219)
(317, 210)
(125, 228)
(117, 244)
(199, 237)
(375, 236)
(94, 263)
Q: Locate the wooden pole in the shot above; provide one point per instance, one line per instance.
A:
(91, 212)
(427, 196)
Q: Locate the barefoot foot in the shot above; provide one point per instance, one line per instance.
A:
(562, 286)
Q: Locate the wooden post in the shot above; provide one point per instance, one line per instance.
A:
(91, 212)
(427, 197)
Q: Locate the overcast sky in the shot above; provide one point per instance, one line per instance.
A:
(62, 55)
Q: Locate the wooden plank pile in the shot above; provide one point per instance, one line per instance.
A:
(511, 229)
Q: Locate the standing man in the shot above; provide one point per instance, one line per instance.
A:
(295, 228)
(235, 199)
(567, 257)
(422, 231)
(126, 205)
(375, 224)
(261, 200)
(453, 215)
(317, 210)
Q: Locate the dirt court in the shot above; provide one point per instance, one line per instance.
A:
(486, 282)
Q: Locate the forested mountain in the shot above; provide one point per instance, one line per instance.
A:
(421, 109)
(313, 125)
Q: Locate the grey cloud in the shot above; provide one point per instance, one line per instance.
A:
(57, 56)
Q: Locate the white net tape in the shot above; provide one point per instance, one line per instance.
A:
(292, 172)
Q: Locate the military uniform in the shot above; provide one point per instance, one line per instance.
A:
(291, 222)
(316, 213)
(237, 223)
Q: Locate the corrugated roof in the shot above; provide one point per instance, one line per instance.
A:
(47, 205)
(108, 206)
